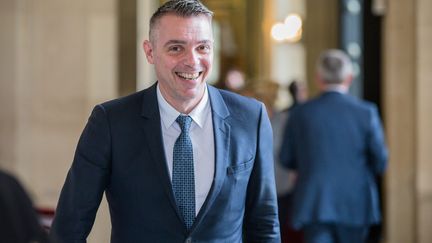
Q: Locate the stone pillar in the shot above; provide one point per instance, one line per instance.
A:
(408, 119)
(8, 59)
(424, 121)
(58, 60)
(321, 33)
(145, 72)
(399, 115)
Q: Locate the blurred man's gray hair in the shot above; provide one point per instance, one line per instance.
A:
(182, 8)
(334, 66)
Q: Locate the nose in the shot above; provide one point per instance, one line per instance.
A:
(191, 58)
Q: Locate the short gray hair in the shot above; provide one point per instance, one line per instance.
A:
(182, 8)
(334, 66)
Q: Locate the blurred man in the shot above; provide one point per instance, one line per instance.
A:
(180, 161)
(19, 222)
(336, 144)
(285, 179)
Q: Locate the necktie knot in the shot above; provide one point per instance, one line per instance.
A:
(184, 122)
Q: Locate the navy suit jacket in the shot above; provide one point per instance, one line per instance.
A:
(336, 144)
(121, 153)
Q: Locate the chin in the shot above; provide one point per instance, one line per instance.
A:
(193, 92)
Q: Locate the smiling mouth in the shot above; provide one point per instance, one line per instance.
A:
(189, 76)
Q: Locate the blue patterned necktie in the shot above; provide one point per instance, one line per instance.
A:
(183, 179)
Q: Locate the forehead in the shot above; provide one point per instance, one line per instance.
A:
(173, 26)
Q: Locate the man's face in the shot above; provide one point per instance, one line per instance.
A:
(182, 52)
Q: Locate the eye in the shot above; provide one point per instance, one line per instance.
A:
(204, 48)
(175, 49)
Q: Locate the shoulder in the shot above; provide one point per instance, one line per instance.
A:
(130, 104)
(236, 104)
(7, 179)
(305, 107)
(344, 100)
(242, 112)
(121, 102)
(362, 105)
(9, 185)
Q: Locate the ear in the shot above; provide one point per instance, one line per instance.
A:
(320, 82)
(148, 50)
(349, 80)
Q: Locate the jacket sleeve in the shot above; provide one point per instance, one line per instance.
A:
(377, 150)
(85, 182)
(261, 215)
(287, 148)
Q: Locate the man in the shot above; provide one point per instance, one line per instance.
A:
(335, 142)
(180, 161)
(285, 179)
(19, 222)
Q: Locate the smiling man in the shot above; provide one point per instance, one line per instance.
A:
(180, 161)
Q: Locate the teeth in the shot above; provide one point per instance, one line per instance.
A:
(188, 75)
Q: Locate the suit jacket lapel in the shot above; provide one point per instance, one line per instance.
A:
(153, 136)
(221, 131)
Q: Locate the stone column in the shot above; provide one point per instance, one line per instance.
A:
(8, 59)
(58, 60)
(145, 73)
(424, 121)
(321, 33)
(408, 119)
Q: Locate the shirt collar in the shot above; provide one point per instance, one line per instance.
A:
(169, 114)
(336, 88)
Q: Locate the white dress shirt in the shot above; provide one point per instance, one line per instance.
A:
(201, 134)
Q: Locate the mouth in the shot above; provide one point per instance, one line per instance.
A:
(189, 76)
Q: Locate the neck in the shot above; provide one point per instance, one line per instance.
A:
(186, 107)
(336, 87)
(181, 104)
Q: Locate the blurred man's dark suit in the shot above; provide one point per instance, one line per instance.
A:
(336, 144)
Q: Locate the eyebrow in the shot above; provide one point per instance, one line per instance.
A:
(172, 42)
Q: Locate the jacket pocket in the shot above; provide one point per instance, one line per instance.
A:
(240, 167)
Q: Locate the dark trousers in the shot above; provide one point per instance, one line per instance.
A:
(288, 234)
(334, 233)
